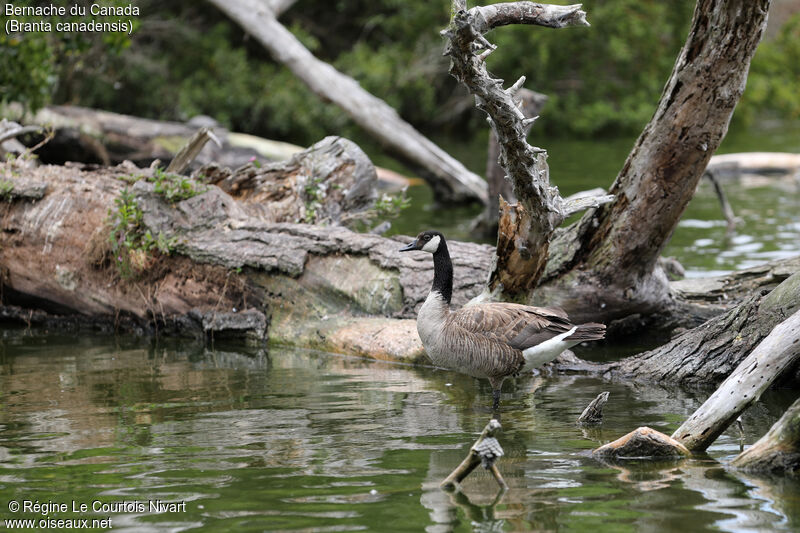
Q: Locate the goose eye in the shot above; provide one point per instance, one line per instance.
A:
(427, 237)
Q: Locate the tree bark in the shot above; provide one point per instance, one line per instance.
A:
(451, 181)
(709, 353)
(778, 451)
(779, 350)
(525, 229)
(612, 270)
(499, 185)
(321, 287)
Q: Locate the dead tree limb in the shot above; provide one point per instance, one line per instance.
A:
(191, 149)
(451, 181)
(745, 385)
(525, 229)
(593, 414)
(530, 103)
(485, 450)
(724, 204)
(778, 451)
(710, 352)
(611, 269)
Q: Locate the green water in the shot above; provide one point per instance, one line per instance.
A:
(291, 440)
(302, 441)
(768, 208)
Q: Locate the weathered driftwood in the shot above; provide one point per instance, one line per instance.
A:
(778, 451)
(93, 136)
(486, 451)
(332, 182)
(451, 181)
(729, 290)
(525, 229)
(779, 350)
(642, 443)
(593, 414)
(530, 103)
(710, 352)
(101, 137)
(735, 165)
(324, 287)
(191, 150)
(609, 259)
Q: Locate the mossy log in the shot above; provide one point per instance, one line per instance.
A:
(318, 286)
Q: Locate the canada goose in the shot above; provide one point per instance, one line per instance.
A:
(489, 340)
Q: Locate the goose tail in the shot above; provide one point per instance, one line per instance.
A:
(591, 331)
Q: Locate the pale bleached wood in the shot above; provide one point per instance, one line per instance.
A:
(451, 180)
(745, 385)
(525, 229)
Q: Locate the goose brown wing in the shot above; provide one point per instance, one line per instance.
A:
(519, 326)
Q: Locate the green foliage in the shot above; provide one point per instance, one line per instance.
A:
(184, 61)
(174, 187)
(390, 206)
(6, 188)
(313, 194)
(774, 80)
(132, 246)
(605, 78)
(34, 65)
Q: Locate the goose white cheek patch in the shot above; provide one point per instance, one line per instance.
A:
(432, 245)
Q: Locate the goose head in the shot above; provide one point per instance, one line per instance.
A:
(427, 241)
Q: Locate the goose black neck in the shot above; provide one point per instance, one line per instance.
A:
(443, 272)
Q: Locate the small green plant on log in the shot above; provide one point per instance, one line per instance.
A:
(387, 206)
(174, 187)
(132, 246)
(6, 188)
(314, 192)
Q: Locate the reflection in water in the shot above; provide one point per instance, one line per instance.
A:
(296, 440)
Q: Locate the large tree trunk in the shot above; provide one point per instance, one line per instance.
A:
(451, 181)
(610, 265)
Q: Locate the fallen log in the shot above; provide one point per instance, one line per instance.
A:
(710, 352)
(450, 180)
(322, 287)
(94, 136)
(778, 451)
(734, 165)
(777, 352)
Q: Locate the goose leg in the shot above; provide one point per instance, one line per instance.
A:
(497, 384)
(495, 399)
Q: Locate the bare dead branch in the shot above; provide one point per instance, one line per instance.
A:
(550, 16)
(745, 385)
(485, 450)
(593, 414)
(191, 149)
